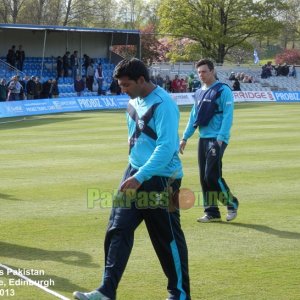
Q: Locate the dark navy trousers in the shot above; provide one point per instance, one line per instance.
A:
(165, 232)
(214, 187)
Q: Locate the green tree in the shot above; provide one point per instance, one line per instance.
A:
(291, 24)
(220, 25)
(136, 14)
(103, 14)
(41, 12)
(10, 10)
(4, 12)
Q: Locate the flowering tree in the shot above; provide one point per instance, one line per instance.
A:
(153, 50)
(289, 56)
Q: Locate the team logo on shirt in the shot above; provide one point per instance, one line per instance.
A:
(141, 124)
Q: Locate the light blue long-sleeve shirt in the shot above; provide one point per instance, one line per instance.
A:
(220, 125)
(156, 157)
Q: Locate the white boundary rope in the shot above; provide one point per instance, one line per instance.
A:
(25, 118)
(14, 121)
(32, 282)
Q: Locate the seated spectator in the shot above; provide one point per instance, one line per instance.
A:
(242, 76)
(232, 76)
(277, 70)
(79, 85)
(269, 68)
(284, 71)
(168, 84)
(238, 76)
(247, 79)
(236, 85)
(86, 62)
(90, 72)
(46, 89)
(38, 88)
(30, 88)
(23, 82)
(54, 92)
(266, 71)
(183, 85)
(66, 63)
(20, 58)
(3, 90)
(74, 62)
(59, 67)
(114, 87)
(11, 56)
(175, 85)
(292, 71)
(99, 78)
(14, 89)
(159, 80)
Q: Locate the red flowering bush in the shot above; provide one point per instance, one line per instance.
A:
(289, 56)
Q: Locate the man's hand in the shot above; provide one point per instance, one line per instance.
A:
(182, 146)
(130, 184)
(220, 143)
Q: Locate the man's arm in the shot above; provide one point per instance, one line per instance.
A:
(189, 129)
(227, 106)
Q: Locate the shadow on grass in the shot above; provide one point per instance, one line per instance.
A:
(269, 230)
(25, 122)
(239, 105)
(29, 253)
(8, 197)
(59, 283)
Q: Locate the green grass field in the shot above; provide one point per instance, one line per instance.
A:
(48, 163)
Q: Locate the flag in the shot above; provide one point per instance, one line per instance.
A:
(256, 58)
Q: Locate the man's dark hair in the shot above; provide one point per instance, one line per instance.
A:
(133, 69)
(207, 62)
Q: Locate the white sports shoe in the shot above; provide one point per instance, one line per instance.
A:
(208, 218)
(231, 215)
(93, 295)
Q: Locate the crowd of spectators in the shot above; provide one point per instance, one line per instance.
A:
(284, 69)
(242, 77)
(177, 85)
(30, 88)
(27, 88)
(69, 64)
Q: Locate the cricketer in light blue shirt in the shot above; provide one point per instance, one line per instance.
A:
(220, 124)
(156, 157)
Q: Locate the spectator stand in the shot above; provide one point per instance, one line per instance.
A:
(273, 83)
(43, 44)
(33, 67)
